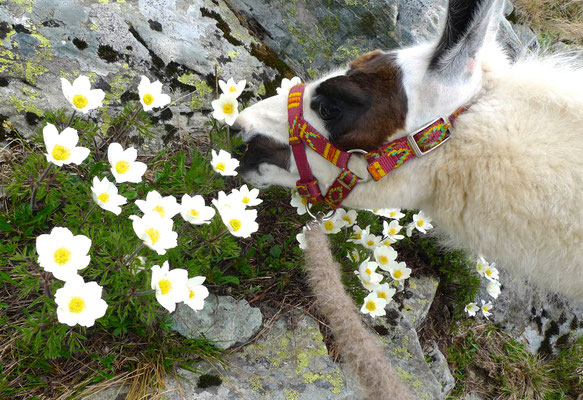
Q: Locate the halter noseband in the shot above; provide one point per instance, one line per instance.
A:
(381, 161)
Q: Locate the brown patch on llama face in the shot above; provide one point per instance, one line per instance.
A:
(262, 149)
(366, 106)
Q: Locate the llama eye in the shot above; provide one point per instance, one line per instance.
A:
(328, 111)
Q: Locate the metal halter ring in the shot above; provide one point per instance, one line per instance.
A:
(320, 216)
(364, 152)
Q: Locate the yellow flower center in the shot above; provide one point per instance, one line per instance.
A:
(382, 295)
(227, 108)
(489, 272)
(148, 99)
(153, 234)
(193, 212)
(346, 218)
(485, 308)
(420, 222)
(103, 197)
(191, 295)
(368, 271)
(160, 210)
(329, 225)
(304, 201)
(62, 256)
(383, 259)
(469, 307)
(393, 231)
(235, 224)
(233, 89)
(397, 274)
(370, 243)
(165, 286)
(246, 200)
(392, 213)
(355, 256)
(61, 153)
(357, 236)
(221, 166)
(122, 166)
(371, 306)
(76, 305)
(80, 101)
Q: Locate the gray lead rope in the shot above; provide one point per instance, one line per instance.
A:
(361, 350)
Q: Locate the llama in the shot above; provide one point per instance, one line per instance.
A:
(508, 184)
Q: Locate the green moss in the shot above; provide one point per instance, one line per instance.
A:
(199, 97)
(23, 105)
(291, 394)
(187, 79)
(410, 379)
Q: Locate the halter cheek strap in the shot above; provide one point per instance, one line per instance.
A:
(381, 161)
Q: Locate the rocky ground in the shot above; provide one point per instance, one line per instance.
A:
(186, 44)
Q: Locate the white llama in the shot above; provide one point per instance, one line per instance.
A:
(508, 184)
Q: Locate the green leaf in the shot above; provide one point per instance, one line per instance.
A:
(5, 226)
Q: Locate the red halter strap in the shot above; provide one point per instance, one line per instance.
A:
(381, 161)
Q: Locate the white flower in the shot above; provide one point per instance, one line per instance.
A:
(491, 273)
(358, 234)
(287, 84)
(223, 163)
(62, 148)
(486, 307)
(370, 241)
(194, 210)
(246, 196)
(482, 265)
(391, 230)
(124, 166)
(385, 257)
(386, 292)
(155, 231)
(80, 95)
(231, 88)
(366, 272)
(353, 256)
(399, 271)
(422, 222)
(104, 193)
(393, 213)
(225, 109)
(151, 95)
(299, 202)
(196, 293)
(166, 206)
(333, 225)
(62, 253)
(348, 216)
(171, 286)
(239, 221)
(79, 303)
(409, 228)
(472, 309)
(301, 238)
(230, 201)
(373, 305)
(493, 289)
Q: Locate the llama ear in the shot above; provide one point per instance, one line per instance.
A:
(470, 23)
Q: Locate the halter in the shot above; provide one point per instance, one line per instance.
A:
(381, 161)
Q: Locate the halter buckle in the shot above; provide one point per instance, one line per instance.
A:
(413, 143)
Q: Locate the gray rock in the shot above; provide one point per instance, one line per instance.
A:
(438, 366)
(415, 305)
(282, 364)
(224, 320)
(320, 35)
(543, 320)
(110, 393)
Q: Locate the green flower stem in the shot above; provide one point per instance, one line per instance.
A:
(145, 293)
(229, 139)
(35, 187)
(71, 119)
(217, 237)
(201, 191)
(135, 253)
(89, 213)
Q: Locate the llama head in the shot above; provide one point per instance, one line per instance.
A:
(381, 96)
